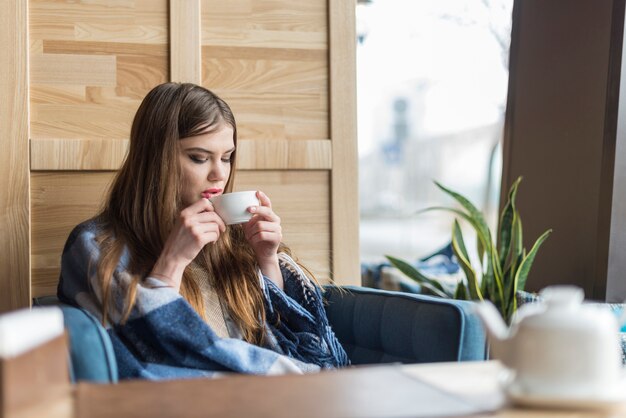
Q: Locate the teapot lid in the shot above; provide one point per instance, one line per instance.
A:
(563, 309)
(562, 296)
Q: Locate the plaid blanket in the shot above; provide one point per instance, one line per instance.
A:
(164, 338)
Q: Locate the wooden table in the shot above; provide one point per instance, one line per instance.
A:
(378, 391)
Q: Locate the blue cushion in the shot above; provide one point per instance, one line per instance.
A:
(91, 353)
(377, 326)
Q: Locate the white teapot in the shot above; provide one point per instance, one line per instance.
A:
(558, 347)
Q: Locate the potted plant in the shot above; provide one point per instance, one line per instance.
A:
(503, 266)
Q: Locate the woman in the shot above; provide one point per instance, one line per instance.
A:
(181, 293)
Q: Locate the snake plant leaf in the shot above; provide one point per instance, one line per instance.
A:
(481, 254)
(478, 220)
(458, 245)
(461, 291)
(432, 285)
(506, 224)
(484, 241)
(527, 262)
(509, 289)
(487, 284)
(498, 296)
(517, 244)
(512, 307)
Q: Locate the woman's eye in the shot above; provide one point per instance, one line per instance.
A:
(197, 160)
(227, 160)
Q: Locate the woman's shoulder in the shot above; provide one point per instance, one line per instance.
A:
(85, 233)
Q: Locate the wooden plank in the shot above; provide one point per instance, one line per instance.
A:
(61, 200)
(107, 154)
(266, 75)
(77, 154)
(51, 94)
(145, 34)
(265, 38)
(271, 115)
(14, 198)
(272, 155)
(104, 48)
(65, 13)
(297, 24)
(49, 30)
(344, 179)
(141, 71)
(90, 70)
(185, 41)
(111, 119)
(260, 53)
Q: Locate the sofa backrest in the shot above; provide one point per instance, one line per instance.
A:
(91, 353)
(378, 326)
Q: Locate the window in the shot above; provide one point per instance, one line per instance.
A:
(432, 80)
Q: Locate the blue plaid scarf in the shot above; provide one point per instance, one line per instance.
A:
(164, 338)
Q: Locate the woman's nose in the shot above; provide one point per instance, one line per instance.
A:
(218, 172)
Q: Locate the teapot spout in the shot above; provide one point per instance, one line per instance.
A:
(497, 330)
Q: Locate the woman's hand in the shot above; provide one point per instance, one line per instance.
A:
(264, 234)
(196, 226)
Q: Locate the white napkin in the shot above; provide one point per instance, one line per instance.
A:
(25, 329)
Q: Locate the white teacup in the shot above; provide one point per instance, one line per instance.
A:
(233, 207)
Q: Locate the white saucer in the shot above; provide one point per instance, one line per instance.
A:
(615, 399)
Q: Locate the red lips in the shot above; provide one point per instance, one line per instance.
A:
(209, 193)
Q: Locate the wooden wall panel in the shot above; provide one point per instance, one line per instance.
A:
(92, 63)
(344, 179)
(62, 200)
(185, 41)
(14, 202)
(59, 201)
(269, 60)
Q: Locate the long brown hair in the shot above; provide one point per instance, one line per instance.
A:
(145, 200)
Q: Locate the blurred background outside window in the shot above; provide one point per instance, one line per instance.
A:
(432, 79)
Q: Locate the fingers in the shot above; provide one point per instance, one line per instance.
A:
(263, 231)
(204, 233)
(201, 212)
(202, 205)
(265, 208)
(264, 212)
(263, 199)
(210, 218)
(258, 230)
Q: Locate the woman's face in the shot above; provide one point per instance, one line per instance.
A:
(205, 160)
